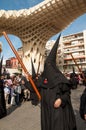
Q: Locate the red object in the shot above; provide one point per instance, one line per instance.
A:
(45, 81)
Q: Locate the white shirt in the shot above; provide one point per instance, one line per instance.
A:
(6, 90)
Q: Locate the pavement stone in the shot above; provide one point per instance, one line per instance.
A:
(75, 97)
(27, 117)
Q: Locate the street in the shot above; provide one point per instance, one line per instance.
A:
(81, 125)
(27, 117)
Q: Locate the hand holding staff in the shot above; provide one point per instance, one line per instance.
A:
(22, 65)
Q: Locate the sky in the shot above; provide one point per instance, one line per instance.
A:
(77, 26)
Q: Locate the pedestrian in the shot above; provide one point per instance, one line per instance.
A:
(56, 107)
(84, 80)
(6, 92)
(74, 79)
(33, 96)
(82, 109)
(13, 95)
(25, 89)
(3, 111)
(18, 92)
(80, 79)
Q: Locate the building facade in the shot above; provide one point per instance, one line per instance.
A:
(12, 63)
(74, 46)
(71, 50)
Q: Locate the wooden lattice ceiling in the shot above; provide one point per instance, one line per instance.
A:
(36, 25)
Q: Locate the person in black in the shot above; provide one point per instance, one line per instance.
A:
(3, 111)
(84, 80)
(82, 108)
(56, 108)
(74, 79)
(55, 89)
(33, 95)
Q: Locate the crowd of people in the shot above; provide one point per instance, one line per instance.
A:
(14, 90)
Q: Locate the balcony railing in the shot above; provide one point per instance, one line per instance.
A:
(76, 57)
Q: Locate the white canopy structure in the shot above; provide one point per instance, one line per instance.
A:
(34, 26)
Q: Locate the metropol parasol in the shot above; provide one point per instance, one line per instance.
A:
(36, 25)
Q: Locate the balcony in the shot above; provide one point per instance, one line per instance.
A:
(72, 46)
(71, 38)
(79, 51)
(73, 63)
(75, 57)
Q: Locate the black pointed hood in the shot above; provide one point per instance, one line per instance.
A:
(51, 71)
(73, 69)
(52, 55)
(33, 70)
(1, 66)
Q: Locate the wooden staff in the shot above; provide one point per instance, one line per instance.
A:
(22, 65)
(78, 67)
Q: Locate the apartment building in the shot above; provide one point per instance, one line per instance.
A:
(13, 62)
(74, 48)
(71, 52)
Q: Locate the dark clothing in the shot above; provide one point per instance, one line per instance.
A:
(84, 81)
(83, 104)
(53, 85)
(33, 96)
(74, 80)
(61, 118)
(3, 111)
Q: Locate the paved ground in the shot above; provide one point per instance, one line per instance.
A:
(27, 117)
(81, 125)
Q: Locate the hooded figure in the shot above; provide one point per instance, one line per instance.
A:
(33, 70)
(74, 79)
(3, 111)
(51, 71)
(82, 108)
(33, 95)
(55, 92)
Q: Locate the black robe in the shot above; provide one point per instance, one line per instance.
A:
(33, 96)
(61, 118)
(74, 80)
(82, 108)
(3, 111)
(56, 86)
